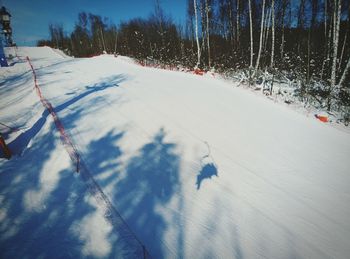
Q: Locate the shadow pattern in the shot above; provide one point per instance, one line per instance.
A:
(151, 179)
(18, 145)
(207, 172)
(44, 232)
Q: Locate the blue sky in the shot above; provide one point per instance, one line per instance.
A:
(30, 18)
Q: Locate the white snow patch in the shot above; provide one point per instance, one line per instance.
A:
(94, 230)
(3, 213)
(34, 199)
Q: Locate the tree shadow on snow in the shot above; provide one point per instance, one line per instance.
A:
(37, 217)
(151, 179)
(21, 142)
(18, 145)
(104, 84)
(103, 157)
(54, 227)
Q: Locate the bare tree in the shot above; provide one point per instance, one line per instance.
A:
(190, 26)
(266, 29)
(251, 34)
(54, 35)
(158, 11)
(103, 41)
(273, 33)
(336, 26)
(207, 10)
(346, 70)
(301, 18)
(284, 5)
(196, 29)
(238, 26)
(327, 49)
(301, 14)
(116, 42)
(325, 18)
(345, 39)
(261, 37)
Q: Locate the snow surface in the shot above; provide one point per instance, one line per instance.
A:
(197, 167)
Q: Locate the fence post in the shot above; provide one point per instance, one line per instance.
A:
(4, 147)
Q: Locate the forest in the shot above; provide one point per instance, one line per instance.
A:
(258, 42)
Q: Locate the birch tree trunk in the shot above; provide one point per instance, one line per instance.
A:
(300, 22)
(325, 19)
(337, 13)
(342, 51)
(273, 33)
(196, 29)
(103, 41)
(237, 26)
(345, 40)
(266, 29)
(116, 42)
(282, 40)
(346, 70)
(231, 24)
(308, 56)
(328, 47)
(207, 9)
(337, 10)
(203, 23)
(251, 33)
(261, 38)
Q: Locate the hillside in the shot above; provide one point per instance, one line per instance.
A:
(194, 166)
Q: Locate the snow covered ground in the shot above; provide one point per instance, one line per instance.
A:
(196, 167)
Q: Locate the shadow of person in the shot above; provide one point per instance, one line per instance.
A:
(207, 172)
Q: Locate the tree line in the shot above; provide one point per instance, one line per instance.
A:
(306, 40)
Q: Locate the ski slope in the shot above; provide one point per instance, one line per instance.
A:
(197, 167)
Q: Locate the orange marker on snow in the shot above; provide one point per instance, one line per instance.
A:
(198, 71)
(322, 118)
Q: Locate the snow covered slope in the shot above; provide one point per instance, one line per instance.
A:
(195, 166)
